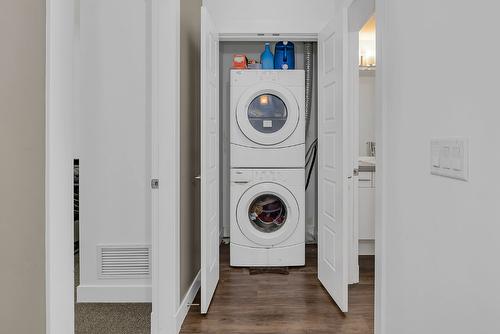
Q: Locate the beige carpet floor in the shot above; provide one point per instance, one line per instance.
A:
(110, 318)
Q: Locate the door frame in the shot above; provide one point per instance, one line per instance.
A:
(166, 316)
(380, 135)
(59, 85)
(357, 12)
(382, 180)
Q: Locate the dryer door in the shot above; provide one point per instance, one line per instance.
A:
(268, 214)
(267, 113)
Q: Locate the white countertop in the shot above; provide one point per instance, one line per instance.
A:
(367, 161)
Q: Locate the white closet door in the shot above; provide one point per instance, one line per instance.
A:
(209, 159)
(332, 180)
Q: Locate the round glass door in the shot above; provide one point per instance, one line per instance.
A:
(267, 213)
(267, 113)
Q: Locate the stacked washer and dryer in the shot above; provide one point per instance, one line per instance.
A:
(267, 168)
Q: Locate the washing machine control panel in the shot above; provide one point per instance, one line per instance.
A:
(241, 176)
(261, 175)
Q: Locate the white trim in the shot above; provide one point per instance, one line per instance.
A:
(114, 294)
(358, 12)
(187, 301)
(382, 179)
(352, 74)
(165, 77)
(268, 37)
(59, 276)
(366, 247)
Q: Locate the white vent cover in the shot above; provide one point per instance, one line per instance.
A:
(124, 261)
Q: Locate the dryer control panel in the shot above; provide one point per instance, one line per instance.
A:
(293, 78)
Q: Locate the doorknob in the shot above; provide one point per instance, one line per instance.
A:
(197, 177)
(355, 172)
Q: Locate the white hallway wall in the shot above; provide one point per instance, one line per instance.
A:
(441, 240)
(113, 140)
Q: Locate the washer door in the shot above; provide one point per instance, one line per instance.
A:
(267, 113)
(267, 214)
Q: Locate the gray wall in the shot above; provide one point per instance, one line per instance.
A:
(22, 147)
(190, 142)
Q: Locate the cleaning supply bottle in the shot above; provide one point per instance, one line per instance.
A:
(284, 56)
(267, 58)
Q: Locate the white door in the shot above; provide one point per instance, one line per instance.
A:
(353, 111)
(333, 180)
(209, 159)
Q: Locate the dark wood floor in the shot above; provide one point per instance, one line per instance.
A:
(292, 304)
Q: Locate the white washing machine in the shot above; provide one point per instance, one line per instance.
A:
(267, 118)
(268, 224)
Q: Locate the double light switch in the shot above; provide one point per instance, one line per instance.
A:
(450, 158)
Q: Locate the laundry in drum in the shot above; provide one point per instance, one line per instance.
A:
(268, 210)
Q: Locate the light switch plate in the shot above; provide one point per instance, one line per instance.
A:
(450, 158)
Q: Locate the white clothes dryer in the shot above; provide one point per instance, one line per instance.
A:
(267, 222)
(267, 118)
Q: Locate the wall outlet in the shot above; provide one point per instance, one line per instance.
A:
(450, 158)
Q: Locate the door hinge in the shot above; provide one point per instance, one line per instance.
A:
(155, 184)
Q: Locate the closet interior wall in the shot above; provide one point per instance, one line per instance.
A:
(253, 49)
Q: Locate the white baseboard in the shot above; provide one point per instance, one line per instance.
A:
(225, 232)
(366, 247)
(114, 294)
(186, 302)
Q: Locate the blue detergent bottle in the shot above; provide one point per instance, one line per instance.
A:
(284, 56)
(267, 58)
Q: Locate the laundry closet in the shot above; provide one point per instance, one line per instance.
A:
(254, 199)
(253, 50)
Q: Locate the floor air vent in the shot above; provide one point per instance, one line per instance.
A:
(125, 262)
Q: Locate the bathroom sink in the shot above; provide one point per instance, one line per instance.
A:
(367, 161)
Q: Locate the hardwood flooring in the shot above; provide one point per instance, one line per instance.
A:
(276, 303)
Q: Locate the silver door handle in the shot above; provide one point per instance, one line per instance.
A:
(197, 177)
